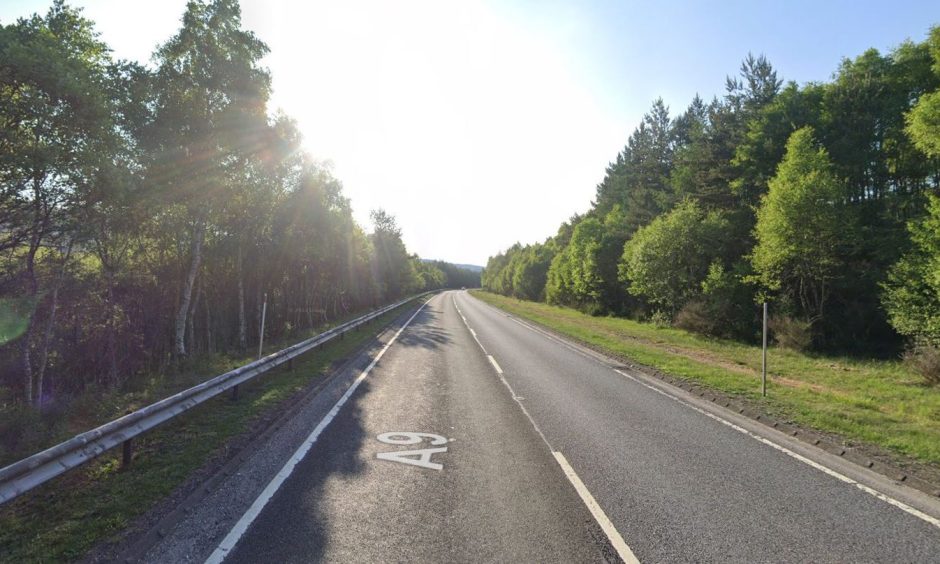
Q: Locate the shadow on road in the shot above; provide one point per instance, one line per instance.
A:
(294, 525)
(425, 332)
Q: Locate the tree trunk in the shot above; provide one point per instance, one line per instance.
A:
(26, 362)
(199, 233)
(112, 337)
(44, 350)
(205, 301)
(50, 325)
(32, 289)
(242, 319)
(112, 330)
(191, 329)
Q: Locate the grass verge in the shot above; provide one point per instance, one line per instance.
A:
(879, 403)
(66, 517)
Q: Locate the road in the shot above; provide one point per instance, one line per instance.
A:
(534, 450)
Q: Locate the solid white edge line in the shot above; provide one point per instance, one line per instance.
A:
(241, 526)
(822, 468)
(612, 534)
(826, 470)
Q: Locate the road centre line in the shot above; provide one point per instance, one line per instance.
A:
(613, 535)
(839, 476)
(472, 332)
(822, 468)
(241, 526)
(615, 539)
(495, 364)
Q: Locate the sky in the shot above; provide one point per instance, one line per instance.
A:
(478, 124)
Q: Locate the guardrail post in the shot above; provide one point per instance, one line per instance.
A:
(235, 392)
(290, 364)
(127, 453)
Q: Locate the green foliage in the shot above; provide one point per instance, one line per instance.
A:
(923, 122)
(667, 261)
(803, 227)
(148, 214)
(638, 181)
(391, 264)
(521, 272)
(813, 218)
(728, 301)
(457, 276)
(912, 291)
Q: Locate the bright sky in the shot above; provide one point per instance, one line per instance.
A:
(482, 123)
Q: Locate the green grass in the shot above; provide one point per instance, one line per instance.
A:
(66, 517)
(881, 403)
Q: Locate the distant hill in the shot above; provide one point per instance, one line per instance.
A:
(470, 267)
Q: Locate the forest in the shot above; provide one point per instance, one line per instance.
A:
(148, 212)
(822, 199)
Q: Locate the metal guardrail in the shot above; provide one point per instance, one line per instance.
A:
(22, 476)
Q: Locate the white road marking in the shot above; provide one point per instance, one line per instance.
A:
(232, 538)
(867, 489)
(409, 438)
(612, 534)
(472, 332)
(423, 460)
(495, 365)
(883, 497)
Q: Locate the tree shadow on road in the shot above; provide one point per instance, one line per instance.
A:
(425, 331)
(295, 524)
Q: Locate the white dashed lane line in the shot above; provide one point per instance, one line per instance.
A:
(604, 522)
(822, 468)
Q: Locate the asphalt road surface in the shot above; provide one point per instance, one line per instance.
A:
(475, 437)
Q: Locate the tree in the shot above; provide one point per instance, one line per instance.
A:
(803, 228)
(705, 168)
(210, 102)
(393, 271)
(54, 119)
(638, 181)
(923, 122)
(530, 271)
(666, 261)
(912, 292)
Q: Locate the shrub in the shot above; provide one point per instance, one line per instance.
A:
(660, 319)
(21, 428)
(925, 360)
(695, 317)
(791, 333)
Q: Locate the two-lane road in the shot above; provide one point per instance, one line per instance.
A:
(476, 437)
(498, 496)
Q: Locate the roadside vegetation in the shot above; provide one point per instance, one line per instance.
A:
(878, 402)
(65, 518)
(150, 214)
(822, 199)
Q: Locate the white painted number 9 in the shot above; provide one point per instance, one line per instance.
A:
(409, 438)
